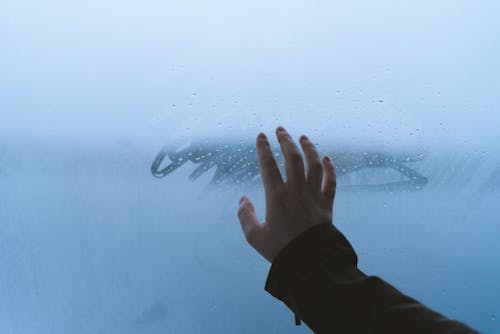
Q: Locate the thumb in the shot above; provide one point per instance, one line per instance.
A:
(248, 219)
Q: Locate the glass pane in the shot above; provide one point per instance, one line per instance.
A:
(99, 235)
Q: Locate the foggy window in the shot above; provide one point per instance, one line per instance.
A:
(127, 136)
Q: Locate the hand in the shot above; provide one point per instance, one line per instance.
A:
(303, 201)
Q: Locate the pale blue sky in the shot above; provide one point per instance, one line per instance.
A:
(141, 71)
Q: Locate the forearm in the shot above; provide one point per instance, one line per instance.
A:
(316, 275)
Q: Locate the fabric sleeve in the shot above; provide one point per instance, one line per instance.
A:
(316, 276)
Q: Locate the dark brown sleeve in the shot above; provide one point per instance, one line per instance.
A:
(316, 276)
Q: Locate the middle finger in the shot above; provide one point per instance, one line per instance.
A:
(294, 164)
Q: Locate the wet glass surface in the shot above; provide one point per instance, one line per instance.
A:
(127, 137)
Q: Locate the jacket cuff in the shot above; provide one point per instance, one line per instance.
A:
(302, 255)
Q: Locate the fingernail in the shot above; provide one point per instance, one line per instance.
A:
(262, 136)
(280, 128)
(242, 199)
(304, 137)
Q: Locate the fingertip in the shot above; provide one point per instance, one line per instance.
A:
(328, 160)
(246, 214)
(243, 211)
(328, 165)
(280, 129)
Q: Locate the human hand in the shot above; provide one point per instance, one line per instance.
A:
(304, 200)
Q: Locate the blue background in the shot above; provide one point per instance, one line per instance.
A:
(90, 91)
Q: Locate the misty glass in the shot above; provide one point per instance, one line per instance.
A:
(98, 235)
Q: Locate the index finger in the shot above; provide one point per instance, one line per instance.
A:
(271, 176)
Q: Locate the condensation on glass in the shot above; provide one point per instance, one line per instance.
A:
(127, 137)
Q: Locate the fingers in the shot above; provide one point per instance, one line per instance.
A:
(314, 173)
(329, 181)
(271, 176)
(294, 165)
(248, 221)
